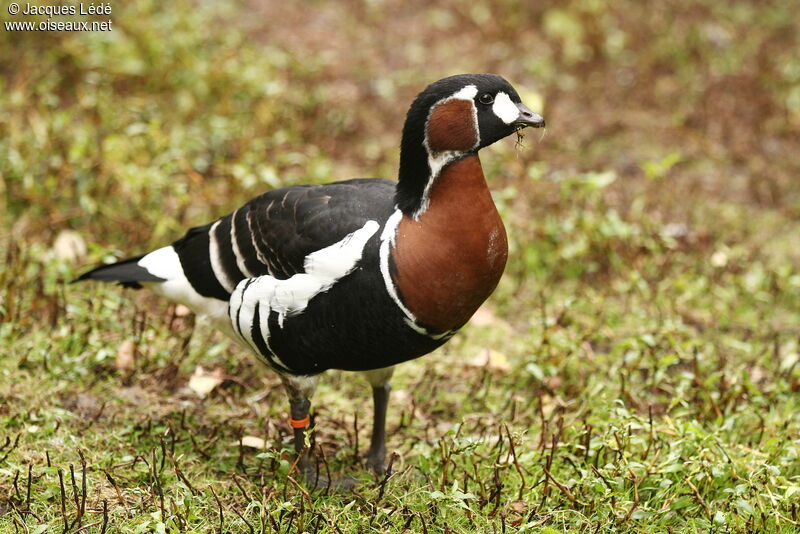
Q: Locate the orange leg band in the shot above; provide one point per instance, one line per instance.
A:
(299, 423)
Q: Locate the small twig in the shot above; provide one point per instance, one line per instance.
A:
(21, 517)
(297, 459)
(105, 517)
(565, 490)
(238, 485)
(516, 463)
(163, 454)
(76, 498)
(424, 526)
(219, 507)
(157, 482)
(83, 483)
(600, 475)
(86, 527)
(327, 471)
(63, 499)
(246, 522)
(355, 432)
(240, 459)
(30, 483)
(11, 449)
(699, 498)
(635, 503)
(197, 448)
(16, 486)
(386, 476)
(185, 480)
(119, 493)
(19, 522)
(301, 488)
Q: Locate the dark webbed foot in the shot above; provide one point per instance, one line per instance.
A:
(317, 482)
(375, 460)
(318, 478)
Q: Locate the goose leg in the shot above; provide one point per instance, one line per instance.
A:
(379, 379)
(300, 389)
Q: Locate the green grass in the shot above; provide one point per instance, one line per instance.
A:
(644, 340)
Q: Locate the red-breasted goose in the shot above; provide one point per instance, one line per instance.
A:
(357, 275)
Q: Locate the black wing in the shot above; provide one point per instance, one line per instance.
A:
(273, 233)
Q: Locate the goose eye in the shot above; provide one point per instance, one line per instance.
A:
(486, 99)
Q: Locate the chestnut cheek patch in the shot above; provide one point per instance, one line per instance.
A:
(451, 127)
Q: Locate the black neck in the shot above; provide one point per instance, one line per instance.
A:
(415, 174)
(414, 171)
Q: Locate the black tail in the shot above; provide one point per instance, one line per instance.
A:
(126, 272)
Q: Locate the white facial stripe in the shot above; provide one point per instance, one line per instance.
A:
(468, 92)
(504, 108)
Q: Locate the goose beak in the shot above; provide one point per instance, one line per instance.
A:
(527, 118)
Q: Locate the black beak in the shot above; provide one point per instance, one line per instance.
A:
(528, 118)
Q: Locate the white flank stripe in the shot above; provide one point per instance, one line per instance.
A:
(236, 252)
(504, 108)
(244, 318)
(289, 297)
(242, 313)
(234, 304)
(216, 264)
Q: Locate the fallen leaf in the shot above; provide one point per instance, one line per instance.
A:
(757, 374)
(494, 360)
(69, 246)
(444, 426)
(126, 356)
(254, 442)
(203, 382)
(719, 259)
(485, 316)
(182, 311)
(553, 382)
(518, 506)
(400, 396)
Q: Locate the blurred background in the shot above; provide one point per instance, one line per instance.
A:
(688, 110)
(654, 229)
(666, 180)
(672, 128)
